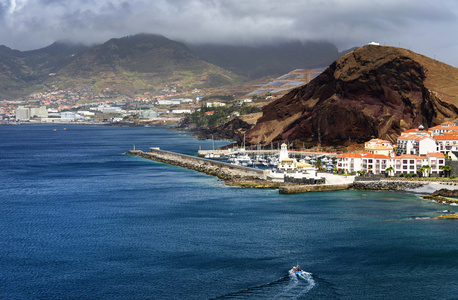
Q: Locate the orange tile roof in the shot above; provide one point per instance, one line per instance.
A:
(410, 156)
(378, 147)
(436, 154)
(411, 130)
(412, 137)
(370, 155)
(448, 123)
(350, 155)
(378, 141)
(444, 127)
(447, 137)
(415, 130)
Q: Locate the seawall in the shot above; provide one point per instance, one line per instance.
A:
(387, 185)
(296, 189)
(222, 170)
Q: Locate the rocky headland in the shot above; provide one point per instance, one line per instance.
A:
(374, 91)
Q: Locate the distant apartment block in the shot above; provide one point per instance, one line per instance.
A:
(40, 112)
(22, 113)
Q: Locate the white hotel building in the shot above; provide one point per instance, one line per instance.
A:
(377, 163)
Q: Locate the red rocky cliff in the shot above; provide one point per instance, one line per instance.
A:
(374, 91)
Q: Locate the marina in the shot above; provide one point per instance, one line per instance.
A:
(268, 153)
(287, 172)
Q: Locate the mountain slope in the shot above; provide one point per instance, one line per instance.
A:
(142, 61)
(21, 71)
(374, 91)
(146, 62)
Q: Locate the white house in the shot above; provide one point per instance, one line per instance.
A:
(378, 146)
(215, 104)
(349, 162)
(444, 128)
(447, 142)
(415, 144)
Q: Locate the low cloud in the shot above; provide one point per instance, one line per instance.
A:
(428, 27)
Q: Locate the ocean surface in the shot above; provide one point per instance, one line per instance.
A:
(81, 220)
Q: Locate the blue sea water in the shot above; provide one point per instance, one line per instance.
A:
(81, 220)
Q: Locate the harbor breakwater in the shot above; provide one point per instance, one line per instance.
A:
(233, 175)
(222, 170)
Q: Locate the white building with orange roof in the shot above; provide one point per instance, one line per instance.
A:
(408, 163)
(444, 128)
(349, 162)
(415, 144)
(447, 142)
(416, 131)
(378, 164)
(436, 161)
(447, 124)
(378, 146)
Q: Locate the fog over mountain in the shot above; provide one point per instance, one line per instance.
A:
(427, 27)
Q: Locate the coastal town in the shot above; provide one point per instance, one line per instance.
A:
(164, 105)
(83, 106)
(418, 152)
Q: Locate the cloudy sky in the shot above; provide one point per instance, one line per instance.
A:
(424, 26)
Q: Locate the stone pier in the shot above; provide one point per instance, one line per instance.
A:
(222, 170)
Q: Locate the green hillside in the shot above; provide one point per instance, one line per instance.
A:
(142, 62)
(148, 63)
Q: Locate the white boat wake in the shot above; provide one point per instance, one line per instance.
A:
(292, 286)
(299, 285)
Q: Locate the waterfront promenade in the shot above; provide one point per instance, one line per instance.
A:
(273, 152)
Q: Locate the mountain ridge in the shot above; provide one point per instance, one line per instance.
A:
(133, 63)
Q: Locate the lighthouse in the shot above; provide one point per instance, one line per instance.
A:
(283, 152)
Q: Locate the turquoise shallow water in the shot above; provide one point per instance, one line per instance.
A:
(81, 220)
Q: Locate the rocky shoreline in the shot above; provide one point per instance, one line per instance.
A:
(443, 196)
(387, 185)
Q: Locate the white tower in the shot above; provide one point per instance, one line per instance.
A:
(283, 152)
